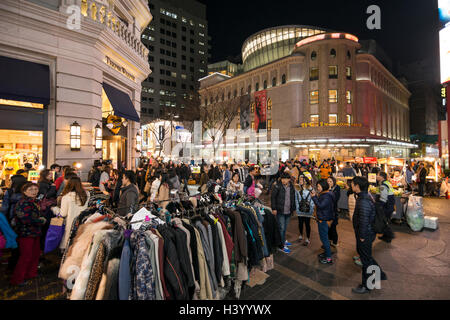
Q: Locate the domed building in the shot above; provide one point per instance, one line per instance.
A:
(327, 96)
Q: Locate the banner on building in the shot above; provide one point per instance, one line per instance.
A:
(260, 110)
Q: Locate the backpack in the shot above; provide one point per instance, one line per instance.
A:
(304, 205)
(380, 222)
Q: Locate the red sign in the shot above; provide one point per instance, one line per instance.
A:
(260, 110)
(370, 160)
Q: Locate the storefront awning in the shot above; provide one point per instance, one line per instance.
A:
(24, 81)
(121, 103)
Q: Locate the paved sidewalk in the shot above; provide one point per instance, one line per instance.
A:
(416, 263)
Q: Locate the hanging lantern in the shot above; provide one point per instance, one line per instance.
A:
(138, 142)
(98, 138)
(75, 136)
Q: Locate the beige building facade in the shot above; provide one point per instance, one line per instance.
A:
(326, 98)
(94, 62)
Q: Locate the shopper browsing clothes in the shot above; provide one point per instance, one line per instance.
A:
(283, 205)
(363, 218)
(129, 194)
(304, 208)
(325, 214)
(27, 222)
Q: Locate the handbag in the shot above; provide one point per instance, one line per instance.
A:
(55, 234)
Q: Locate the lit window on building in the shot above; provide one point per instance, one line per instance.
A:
(201, 25)
(332, 96)
(332, 118)
(349, 119)
(269, 104)
(201, 34)
(269, 124)
(183, 76)
(314, 74)
(191, 22)
(201, 52)
(238, 126)
(253, 107)
(348, 96)
(314, 97)
(333, 72)
(348, 73)
(314, 119)
(183, 19)
(253, 125)
(201, 43)
(173, 74)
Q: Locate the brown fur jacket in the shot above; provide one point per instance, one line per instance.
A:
(79, 247)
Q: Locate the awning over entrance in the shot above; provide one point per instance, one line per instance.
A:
(121, 103)
(24, 81)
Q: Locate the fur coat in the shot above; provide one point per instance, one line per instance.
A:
(79, 246)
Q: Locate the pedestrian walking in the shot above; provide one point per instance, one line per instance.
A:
(363, 219)
(283, 205)
(324, 202)
(335, 190)
(304, 208)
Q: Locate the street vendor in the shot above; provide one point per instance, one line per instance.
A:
(398, 180)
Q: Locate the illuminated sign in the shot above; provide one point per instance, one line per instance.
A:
(444, 10)
(118, 68)
(324, 124)
(327, 36)
(33, 176)
(370, 160)
(444, 43)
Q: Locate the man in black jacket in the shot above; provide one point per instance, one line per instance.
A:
(185, 174)
(422, 178)
(363, 219)
(283, 205)
(94, 174)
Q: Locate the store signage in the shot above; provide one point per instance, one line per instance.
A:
(396, 162)
(195, 169)
(444, 10)
(358, 160)
(118, 68)
(370, 160)
(324, 124)
(33, 176)
(444, 43)
(114, 123)
(372, 177)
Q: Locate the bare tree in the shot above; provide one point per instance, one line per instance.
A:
(217, 117)
(161, 131)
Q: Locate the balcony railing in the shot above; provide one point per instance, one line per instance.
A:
(101, 13)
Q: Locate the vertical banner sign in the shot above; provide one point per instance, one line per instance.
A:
(245, 115)
(260, 110)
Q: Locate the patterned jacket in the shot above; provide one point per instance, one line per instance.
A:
(26, 218)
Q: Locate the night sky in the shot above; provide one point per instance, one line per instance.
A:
(409, 28)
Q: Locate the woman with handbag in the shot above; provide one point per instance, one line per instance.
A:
(325, 216)
(27, 222)
(74, 200)
(304, 208)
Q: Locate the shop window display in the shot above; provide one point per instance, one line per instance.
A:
(14, 154)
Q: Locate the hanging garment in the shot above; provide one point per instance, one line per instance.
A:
(208, 255)
(261, 224)
(272, 232)
(155, 265)
(108, 289)
(96, 273)
(193, 249)
(239, 237)
(204, 278)
(174, 277)
(142, 279)
(217, 248)
(227, 237)
(77, 250)
(81, 282)
(225, 261)
(124, 271)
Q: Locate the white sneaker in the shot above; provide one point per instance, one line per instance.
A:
(300, 238)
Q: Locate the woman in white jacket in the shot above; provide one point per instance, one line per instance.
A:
(74, 200)
(155, 186)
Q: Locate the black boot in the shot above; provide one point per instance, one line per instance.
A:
(360, 289)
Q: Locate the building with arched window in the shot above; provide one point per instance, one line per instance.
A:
(328, 97)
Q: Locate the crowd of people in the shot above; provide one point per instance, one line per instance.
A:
(304, 189)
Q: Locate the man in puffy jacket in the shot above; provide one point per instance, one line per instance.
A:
(363, 219)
